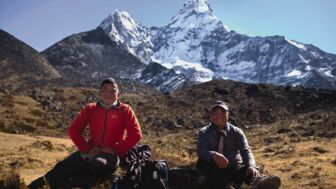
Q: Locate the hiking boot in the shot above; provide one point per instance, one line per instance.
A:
(266, 182)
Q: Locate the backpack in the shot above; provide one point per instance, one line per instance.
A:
(139, 152)
(145, 174)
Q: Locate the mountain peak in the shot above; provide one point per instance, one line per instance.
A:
(118, 19)
(128, 34)
(199, 6)
(121, 15)
(120, 26)
(195, 14)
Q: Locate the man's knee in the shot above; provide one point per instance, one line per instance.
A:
(103, 164)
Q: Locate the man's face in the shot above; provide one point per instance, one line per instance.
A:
(219, 117)
(109, 93)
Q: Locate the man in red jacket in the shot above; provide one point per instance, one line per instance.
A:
(113, 131)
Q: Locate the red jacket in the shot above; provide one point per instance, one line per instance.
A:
(117, 128)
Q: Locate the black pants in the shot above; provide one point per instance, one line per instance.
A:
(72, 167)
(219, 178)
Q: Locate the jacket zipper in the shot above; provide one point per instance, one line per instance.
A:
(106, 115)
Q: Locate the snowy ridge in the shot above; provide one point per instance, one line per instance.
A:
(128, 34)
(197, 44)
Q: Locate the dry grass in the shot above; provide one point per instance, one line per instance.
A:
(301, 161)
(307, 163)
(178, 148)
(31, 156)
(22, 114)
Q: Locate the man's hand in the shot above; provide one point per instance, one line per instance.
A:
(94, 151)
(108, 150)
(252, 172)
(220, 160)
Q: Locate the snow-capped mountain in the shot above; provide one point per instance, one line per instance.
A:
(197, 44)
(129, 35)
(178, 44)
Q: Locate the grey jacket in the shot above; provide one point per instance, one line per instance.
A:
(236, 148)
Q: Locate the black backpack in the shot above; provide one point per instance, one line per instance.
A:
(145, 174)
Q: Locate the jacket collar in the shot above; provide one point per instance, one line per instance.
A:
(107, 107)
(227, 128)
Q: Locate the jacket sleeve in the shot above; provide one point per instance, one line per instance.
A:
(203, 150)
(77, 127)
(245, 150)
(133, 132)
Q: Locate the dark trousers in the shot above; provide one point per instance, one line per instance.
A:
(220, 178)
(74, 166)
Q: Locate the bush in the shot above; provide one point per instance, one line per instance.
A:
(11, 180)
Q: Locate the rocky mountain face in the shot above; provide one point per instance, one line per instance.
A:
(25, 71)
(197, 44)
(91, 56)
(21, 66)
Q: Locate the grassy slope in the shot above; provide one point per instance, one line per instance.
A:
(300, 146)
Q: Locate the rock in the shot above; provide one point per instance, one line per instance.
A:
(268, 150)
(333, 72)
(252, 90)
(45, 144)
(15, 164)
(180, 121)
(320, 150)
(173, 125)
(333, 162)
(327, 134)
(3, 125)
(5, 91)
(283, 130)
(221, 91)
(308, 133)
(287, 89)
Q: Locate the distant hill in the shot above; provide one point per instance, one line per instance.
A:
(21, 65)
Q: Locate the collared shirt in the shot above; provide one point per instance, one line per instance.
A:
(236, 148)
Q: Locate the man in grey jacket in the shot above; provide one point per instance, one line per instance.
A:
(225, 156)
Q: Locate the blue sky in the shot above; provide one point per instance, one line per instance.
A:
(41, 23)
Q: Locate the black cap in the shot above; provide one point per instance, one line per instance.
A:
(108, 80)
(221, 104)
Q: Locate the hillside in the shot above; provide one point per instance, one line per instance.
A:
(291, 130)
(250, 105)
(22, 66)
